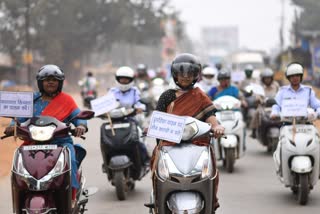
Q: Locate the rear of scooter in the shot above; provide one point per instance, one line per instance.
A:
(120, 152)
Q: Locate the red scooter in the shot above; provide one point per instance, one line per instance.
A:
(41, 171)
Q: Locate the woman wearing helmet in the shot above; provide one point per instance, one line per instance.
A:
(187, 100)
(208, 79)
(128, 95)
(295, 90)
(225, 88)
(51, 101)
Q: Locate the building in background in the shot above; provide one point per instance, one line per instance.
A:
(219, 41)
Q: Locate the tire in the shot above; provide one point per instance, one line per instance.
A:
(230, 159)
(274, 144)
(121, 185)
(303, 189)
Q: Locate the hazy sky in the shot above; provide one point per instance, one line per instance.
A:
(258, 20)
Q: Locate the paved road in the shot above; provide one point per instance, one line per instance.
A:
(253, 187)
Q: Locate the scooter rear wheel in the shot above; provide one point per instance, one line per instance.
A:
(121, 185)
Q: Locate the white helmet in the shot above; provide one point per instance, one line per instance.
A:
(294, 69)
(209, 71)
(126, 72)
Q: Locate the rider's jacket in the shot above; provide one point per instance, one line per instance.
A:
(128, 98)
(271, 90)
(304, 93)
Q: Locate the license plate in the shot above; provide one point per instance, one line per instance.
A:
(227, 115)
(117, 126)
(40, 147)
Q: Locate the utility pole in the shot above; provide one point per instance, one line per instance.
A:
(28, 56)
(282, 26)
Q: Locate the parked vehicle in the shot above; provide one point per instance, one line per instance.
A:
(185, 175)
(230, 117)
(41, 172)
(120, 148)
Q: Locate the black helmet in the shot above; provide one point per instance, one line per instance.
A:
(184, 64)
(50, 71)
(142, 70)
(224, 73)
(218, 66)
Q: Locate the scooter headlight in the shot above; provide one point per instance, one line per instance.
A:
(162, 169)
(41, 133)
(57, 170)
(204, 165)
(19, 167)
(190, 130)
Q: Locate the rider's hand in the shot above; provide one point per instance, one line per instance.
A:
(244, 104)
(139, 110)
(79, 130)
(9, 130)
(273, 116)
(218, 131)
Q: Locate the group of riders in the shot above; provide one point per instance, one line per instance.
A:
(192, 94)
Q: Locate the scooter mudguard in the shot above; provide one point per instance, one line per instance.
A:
(119, 162)
(301, 164)
(180, 202)
(230, 141)
(273, 132)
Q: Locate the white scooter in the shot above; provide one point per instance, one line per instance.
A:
(230, 117)
(297, 156)
(185, 175)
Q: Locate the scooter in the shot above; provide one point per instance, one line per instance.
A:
(120, 148)
(297, 156)
(41, 172)
(158, 87)
(250, 92)
(268, 130)
(233, 146)
(185, 174)
(145, 97)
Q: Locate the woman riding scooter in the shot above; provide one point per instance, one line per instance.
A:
(51, 101)
(187, 100)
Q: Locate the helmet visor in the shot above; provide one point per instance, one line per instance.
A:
(186, 70)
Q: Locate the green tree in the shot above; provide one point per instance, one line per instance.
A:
(64, 31)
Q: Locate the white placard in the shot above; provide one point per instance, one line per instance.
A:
(237, 76)
(166, 126)
(104, 104)
(294, 108)
(16, 104)
(257, 89)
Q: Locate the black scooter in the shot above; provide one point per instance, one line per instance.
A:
(120, 149)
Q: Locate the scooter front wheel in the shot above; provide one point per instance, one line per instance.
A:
(121, 185)
(303, 189)
(230, 159)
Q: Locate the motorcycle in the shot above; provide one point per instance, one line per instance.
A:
(158, 87)
(232, 147)
(297, 156)
(120, 149)
(268, 130)
(250, 93)
(41, 171)
(185, 175)
(87, 95)
(145, 97)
